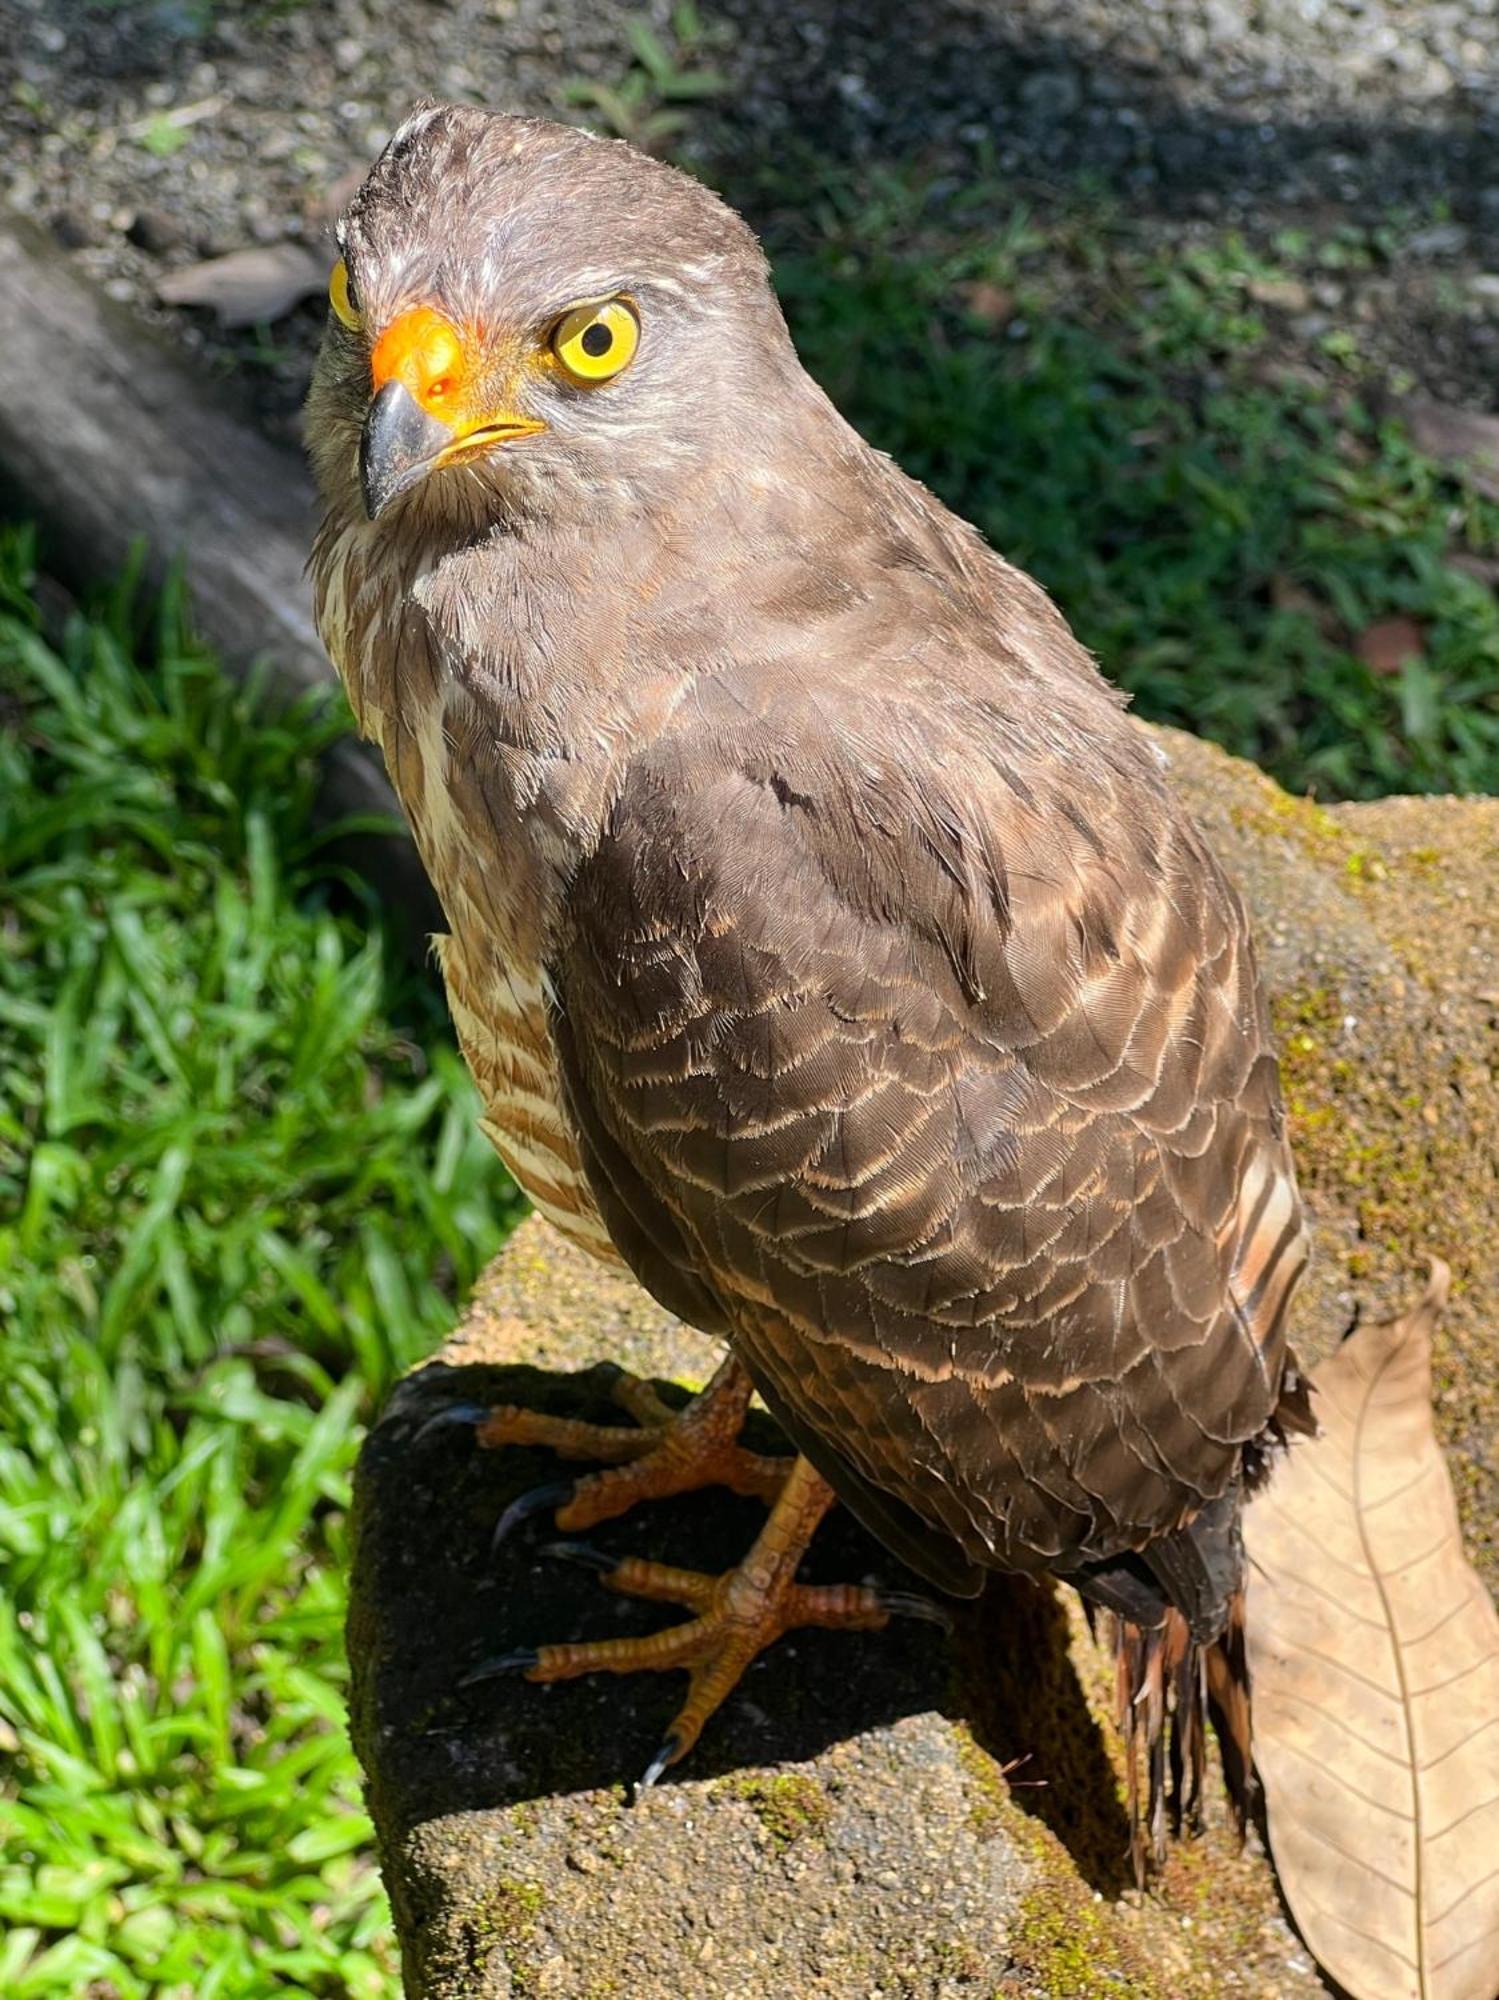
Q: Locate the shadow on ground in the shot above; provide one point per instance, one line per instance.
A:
(1291, 113)
(1006, 1671)
(1249, 116)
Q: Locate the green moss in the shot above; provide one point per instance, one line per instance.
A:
(1062, 1940)
(790, 1806)
(1060, 1947)
(1070, 1939)
(1276, 815)
(1362, 865)
(506, 1920)
(988, 1796)
(1066, 1941)
(1281, 816)
(1391, 1122)
(1360, 1138)
(958, 1959)
(511, 1909)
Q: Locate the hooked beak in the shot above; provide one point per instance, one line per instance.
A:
(402, 443)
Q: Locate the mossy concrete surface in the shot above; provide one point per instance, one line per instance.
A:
(899, 1814)
(1378, 929)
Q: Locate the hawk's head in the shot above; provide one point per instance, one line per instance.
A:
(525, 313)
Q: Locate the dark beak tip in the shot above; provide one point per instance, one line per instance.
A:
(397, 448)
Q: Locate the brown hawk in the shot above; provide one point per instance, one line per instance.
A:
(825, 942)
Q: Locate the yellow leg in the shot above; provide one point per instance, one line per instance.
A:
(663, 1452)
(736, 1616)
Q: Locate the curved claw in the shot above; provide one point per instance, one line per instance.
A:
(455, 1413)
(518, 1662)
(669, 1752)
(906, 1604)
(581, 1553)
(535, 1501)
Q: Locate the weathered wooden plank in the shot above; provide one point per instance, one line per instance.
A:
(109, 438)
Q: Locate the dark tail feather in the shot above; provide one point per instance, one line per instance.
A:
(1178, 1631)
(1227, 1665)
(1159, 1705)
(1177, 1616)
(1167, 1686)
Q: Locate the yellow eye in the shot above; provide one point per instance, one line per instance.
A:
(342, 299)
(595, 342)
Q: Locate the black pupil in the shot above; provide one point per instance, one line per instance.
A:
(596, 339)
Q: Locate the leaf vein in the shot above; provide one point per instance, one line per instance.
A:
(1400, 1763)
(1301, 1581)
(1347, 1924)
(1458, 1949)
(1462, 1743)
(1471, 1890)
(1358, 1861)
(1478, 1806)
(1338, 1778)
(1413, 1562)
(1332, 1660)
(1445, 1620)
(1403, 1488)
(1451, 1680)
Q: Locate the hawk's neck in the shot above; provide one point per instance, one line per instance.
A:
(501, 681)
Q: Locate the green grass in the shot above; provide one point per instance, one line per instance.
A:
(1118, 419)
(649, 104)
(236, 1198)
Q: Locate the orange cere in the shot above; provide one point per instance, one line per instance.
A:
(427, 356)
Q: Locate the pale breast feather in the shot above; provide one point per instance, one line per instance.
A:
(508, 1049)
(494, 994)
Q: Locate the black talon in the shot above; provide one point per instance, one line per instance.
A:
(906, 1604)
(581, 1553)
(664, 1756)
(536, 1501)
(502, 1663)
(455, 1413)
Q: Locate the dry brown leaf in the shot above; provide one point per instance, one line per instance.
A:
(991, 304)
(248, 286)
(1391, 643)
(1374, 1656)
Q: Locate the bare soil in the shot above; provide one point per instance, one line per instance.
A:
(148, 133)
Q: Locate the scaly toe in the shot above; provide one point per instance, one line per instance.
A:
(569, 1437)
(736, 1615)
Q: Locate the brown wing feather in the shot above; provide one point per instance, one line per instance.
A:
(937, 1054)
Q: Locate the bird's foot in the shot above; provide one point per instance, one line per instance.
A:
(735, 1616)
(665, 1451)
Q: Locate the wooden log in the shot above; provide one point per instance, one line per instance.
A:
(109, 439)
